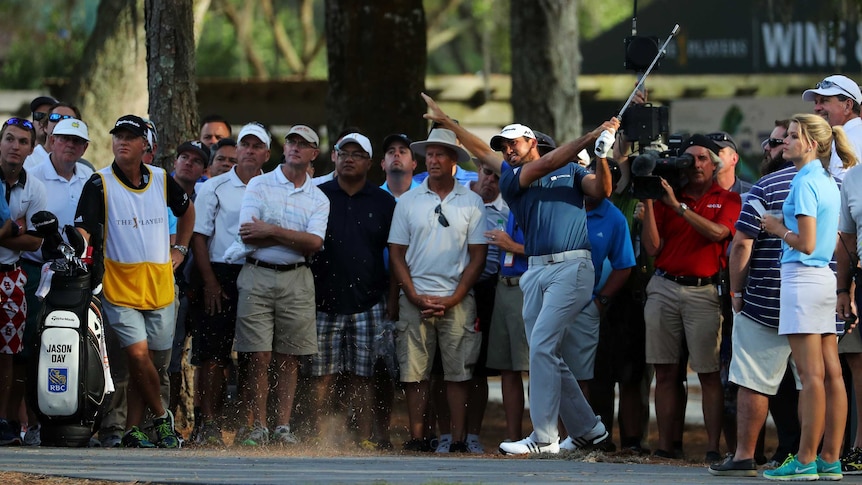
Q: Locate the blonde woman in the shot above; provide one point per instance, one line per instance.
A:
(809, 229)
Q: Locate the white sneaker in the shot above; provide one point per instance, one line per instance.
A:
(33, 436)
(567, 445)
(444, 443)
(596, 438)
(528, 446)
(283, 435)
(474, 445)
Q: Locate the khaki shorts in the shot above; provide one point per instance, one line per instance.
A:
(417, 341)
(674, 311)
(276, 311)
(507, 338)
(760, 356)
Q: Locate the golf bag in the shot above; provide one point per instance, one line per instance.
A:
(68, 375)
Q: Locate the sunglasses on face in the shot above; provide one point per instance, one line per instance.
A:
(39, 115)
(774, 142)
(20, 122)
(55, 117)
(440, 217)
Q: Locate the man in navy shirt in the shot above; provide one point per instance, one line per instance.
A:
(351, 281)
(546, 195)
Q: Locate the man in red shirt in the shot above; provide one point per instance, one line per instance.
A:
(688, 231)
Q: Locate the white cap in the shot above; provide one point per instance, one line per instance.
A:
(255, 129)
(357, 138)
(833, 86)
(510, 132)
(72, 127)
(306, 133)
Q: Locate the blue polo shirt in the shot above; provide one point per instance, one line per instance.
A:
(551, 210)
(609, 238)
(349, 274)
(813, 193)
(413, 185)
(762, 296)
(519, 263)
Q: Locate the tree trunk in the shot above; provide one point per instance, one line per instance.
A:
(546, 62)
(108, 82)
(171, 75)
(376, 55)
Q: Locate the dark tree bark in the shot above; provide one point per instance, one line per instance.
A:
(171, 74)
(109, 80)
(546, 62)
(377, 56)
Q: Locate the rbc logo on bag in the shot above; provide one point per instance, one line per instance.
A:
(57, 378)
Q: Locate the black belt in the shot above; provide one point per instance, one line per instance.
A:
(510, 281)
(5, 268)
(689, 280)
(276, 267)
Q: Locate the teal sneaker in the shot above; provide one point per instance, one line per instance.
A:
(166, 433)
(830, 471)
(791, 469)
(135, 438)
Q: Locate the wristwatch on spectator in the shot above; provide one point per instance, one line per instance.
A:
(603, 299)
(184, 250)
(682, 208)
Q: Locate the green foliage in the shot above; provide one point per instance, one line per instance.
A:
(46, 40)
(48, 37)
(218, 53)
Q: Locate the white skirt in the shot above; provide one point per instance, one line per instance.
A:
(807, 299)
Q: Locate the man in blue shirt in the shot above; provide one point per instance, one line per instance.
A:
(612, 249)
(398, 164)
(546, 195)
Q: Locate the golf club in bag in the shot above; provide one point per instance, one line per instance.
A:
(68, 376)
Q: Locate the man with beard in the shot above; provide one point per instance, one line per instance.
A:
(546, 195)
(773, 148)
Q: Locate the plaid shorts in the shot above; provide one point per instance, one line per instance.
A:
(345, 343)
(13, 311)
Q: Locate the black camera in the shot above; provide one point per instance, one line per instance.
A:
(645, 123)
(650, 166)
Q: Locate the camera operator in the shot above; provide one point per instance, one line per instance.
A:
(688, 232)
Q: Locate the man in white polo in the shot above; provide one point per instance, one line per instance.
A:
(437, 252)
(283, 216)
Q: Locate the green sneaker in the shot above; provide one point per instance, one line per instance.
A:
(258, 436)
(791, 469)
(851, 463)
(165, 432)
(830, 471)
(135, 438)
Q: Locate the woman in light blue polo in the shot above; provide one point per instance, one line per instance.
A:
(809, 230)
